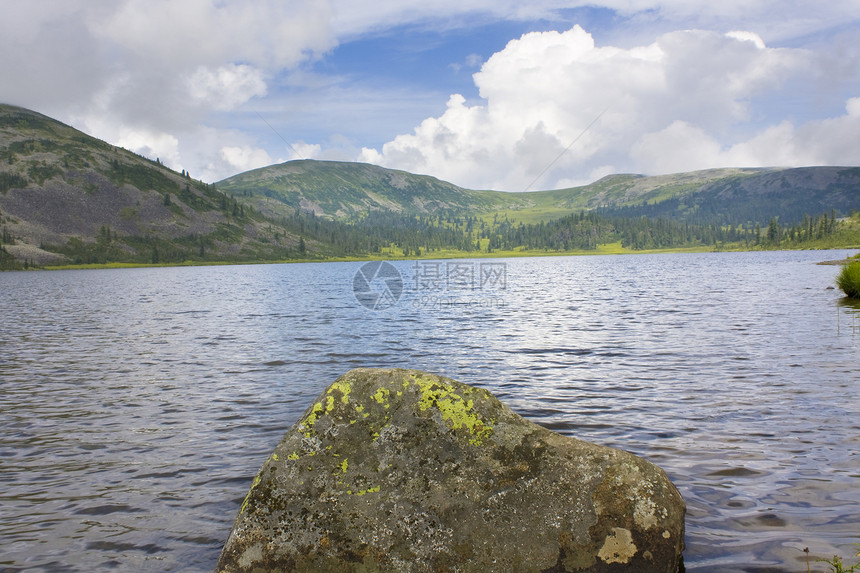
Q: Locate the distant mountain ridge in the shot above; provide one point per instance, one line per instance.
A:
(345, 191)
(342, 190)
(787, 194)
(68, 197)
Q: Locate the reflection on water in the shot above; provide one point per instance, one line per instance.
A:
(137, 405)
(848, 315)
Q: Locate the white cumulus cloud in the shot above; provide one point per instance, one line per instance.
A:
(153, 66)
(685, 101)
(245, 158)
(196, 70)
(226, 87)
(272, 33)
(679, 147)
(156, 145)
(748, 36)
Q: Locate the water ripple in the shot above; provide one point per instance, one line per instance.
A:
(137, 405)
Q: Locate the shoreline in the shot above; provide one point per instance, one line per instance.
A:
(840, 262)
(606, 249)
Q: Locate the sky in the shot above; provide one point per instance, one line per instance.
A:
(486, 94)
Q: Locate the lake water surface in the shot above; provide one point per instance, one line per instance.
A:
(136, 405)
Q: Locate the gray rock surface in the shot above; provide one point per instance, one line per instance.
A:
(400, 470)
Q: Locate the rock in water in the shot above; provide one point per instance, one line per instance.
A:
(400, 470)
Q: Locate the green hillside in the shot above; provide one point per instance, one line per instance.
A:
(347, 191)
(341, 190)
(756, 197)
(615, 191)
(68, 197)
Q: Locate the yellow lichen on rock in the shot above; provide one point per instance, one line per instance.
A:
(381, 395)
(311, 419)
(344, 387)
(458, 412)
(254, 484)
(374, 489)
(318, 409)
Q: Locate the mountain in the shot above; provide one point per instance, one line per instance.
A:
(68, 197)
(342, 190)
(347, 191)
(755, 196)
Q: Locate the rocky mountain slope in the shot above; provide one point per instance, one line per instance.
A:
(65, 195)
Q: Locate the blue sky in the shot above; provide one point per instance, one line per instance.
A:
(482, 93)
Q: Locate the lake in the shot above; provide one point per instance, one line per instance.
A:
(136, 405)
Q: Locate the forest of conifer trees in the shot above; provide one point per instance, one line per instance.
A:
(303, 236)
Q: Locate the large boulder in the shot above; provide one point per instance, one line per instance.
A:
(400, 470)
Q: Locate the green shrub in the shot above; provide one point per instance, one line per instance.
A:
(11, 181)
(849, 279)
(837, 566)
